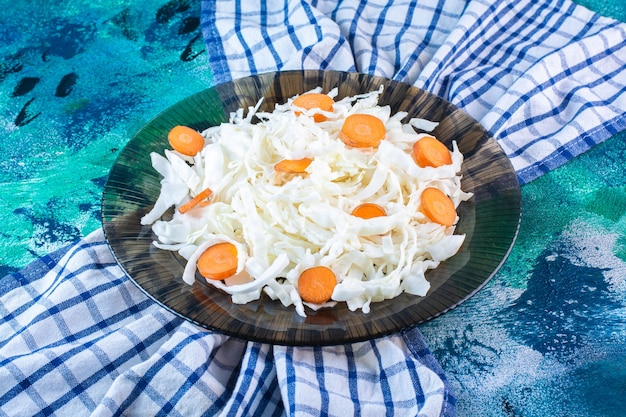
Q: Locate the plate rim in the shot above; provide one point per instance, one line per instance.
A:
(299, 342)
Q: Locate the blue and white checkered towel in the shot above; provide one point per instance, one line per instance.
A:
(547, 78)
(78, 338)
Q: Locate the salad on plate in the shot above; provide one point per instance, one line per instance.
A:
(320, 201)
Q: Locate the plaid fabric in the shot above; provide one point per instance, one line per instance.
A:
(78, 338)
(547, 78)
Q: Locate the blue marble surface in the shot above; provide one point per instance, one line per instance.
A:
(77, 81)
(546, 337)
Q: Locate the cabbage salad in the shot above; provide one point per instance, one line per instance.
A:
(284, 223)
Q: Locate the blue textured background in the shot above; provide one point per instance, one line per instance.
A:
(77, 80)
(546, 337)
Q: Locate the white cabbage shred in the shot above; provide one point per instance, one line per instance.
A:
(285, 223)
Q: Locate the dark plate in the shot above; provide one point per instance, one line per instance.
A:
(490, 219)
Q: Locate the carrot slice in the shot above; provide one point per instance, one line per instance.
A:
(429, 152)
(438, 207)
(197, 200)
(293, 166)
(368, 210)
(362, 131)
(185, 140)
(218, 261)
(316, 284)
(310, 101)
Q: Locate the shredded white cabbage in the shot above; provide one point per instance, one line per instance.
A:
(283, 223)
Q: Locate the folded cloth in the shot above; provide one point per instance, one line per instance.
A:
(546, 77)
(78, 338)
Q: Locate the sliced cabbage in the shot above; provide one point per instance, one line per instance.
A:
(284, 223)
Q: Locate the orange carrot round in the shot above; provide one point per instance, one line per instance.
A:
(438, 207)
(197, 200)
(368, 210)
(185, 140)
(316, 284)
(293, 166)
(429, 152)
(362, 131)
(310, 101)
(218, 261)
